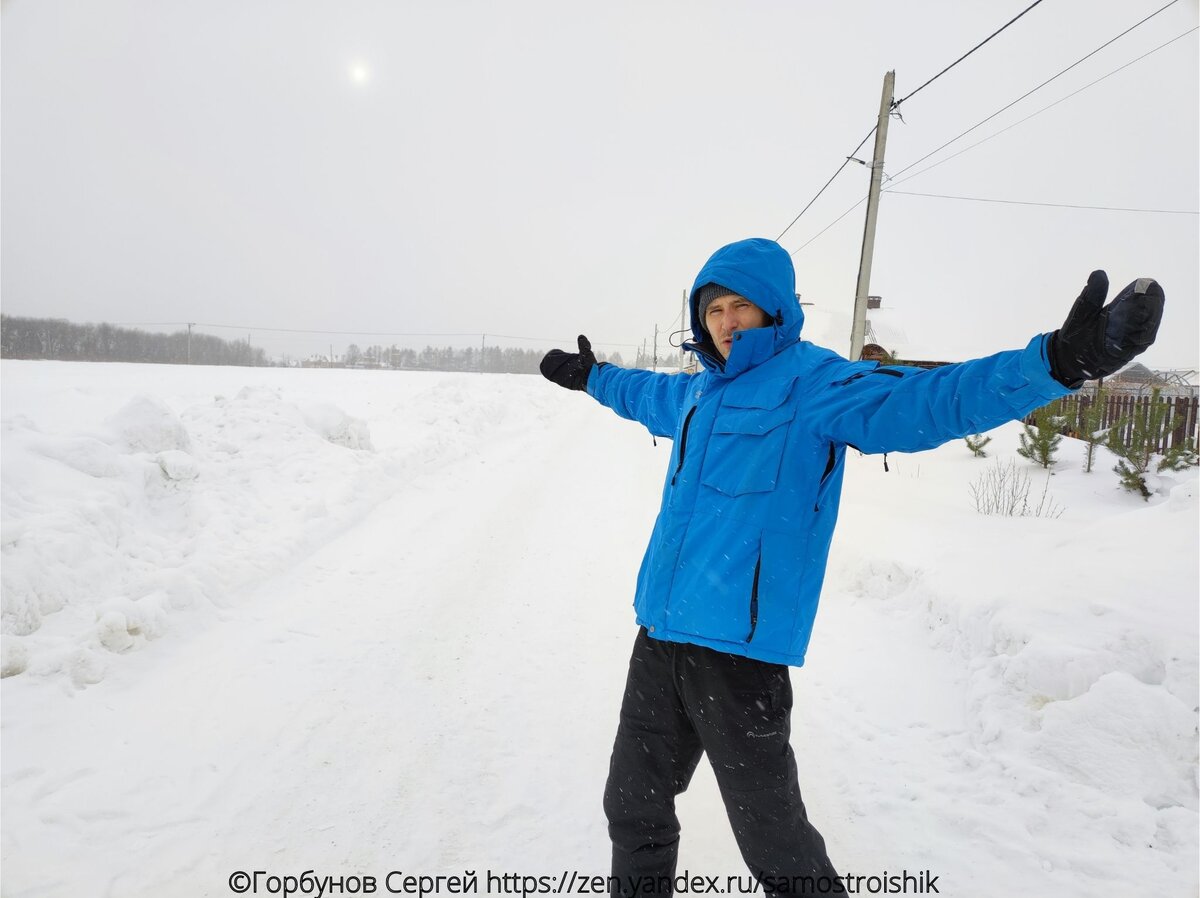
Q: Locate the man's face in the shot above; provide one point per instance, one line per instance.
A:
(728, 314)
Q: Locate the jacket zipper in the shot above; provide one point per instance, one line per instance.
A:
(703, 350)
(754, 599)
(828, 470)
(683, 442)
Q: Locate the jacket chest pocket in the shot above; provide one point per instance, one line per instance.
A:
(748, 437)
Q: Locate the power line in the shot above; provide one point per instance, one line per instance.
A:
(964, 133)
(827, 183)
(144, 323)
(828, 226)
(997, 134)
(567, 340)
(287, 330)
(980, 199)
(965, 55)
(1045, 108)
(1034, 90)
(678, 319)
(896, 104)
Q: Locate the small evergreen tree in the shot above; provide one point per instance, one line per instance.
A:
(976, 443)
(1040, 442)
(1179, 457)
(1135, 454)
(1089, 426)
(1138, 451)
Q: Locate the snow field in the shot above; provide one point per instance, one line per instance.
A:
(1072, 678)
(360, 621)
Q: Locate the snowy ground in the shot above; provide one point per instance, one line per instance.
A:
(356, 622)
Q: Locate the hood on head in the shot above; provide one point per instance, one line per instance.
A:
(760, 270)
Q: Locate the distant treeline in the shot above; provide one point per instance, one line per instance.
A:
(490, 359)
(55, 338)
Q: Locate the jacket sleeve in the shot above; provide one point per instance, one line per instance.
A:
(653, 399)
(880, 409)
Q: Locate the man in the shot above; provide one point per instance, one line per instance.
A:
(728, 588)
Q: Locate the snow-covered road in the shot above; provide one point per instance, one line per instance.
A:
(358, 622)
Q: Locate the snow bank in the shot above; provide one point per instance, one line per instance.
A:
(1075, 642)
(110, 534)
(126, 512)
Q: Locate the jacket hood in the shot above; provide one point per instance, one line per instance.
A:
(760, 270)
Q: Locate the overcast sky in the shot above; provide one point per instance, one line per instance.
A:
(538, 168)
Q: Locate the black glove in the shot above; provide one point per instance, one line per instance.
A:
(1096, 339)
(570, 369)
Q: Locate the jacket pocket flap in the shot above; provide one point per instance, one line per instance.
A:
(766, 395)
(755, 408)
(752, 420)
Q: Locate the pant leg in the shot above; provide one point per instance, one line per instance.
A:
(741, 709)
(653, 759)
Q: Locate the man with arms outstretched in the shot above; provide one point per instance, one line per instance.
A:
(728, 588)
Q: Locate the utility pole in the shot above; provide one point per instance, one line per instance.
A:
(858, 331)
(654, 366)
(190, 325)
(482, 350)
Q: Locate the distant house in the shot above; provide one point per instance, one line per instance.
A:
(887, 341)
(1138, 380)
(873, 352)
(884, 330)
(1136, 374)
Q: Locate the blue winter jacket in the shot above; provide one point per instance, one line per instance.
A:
(739, 548)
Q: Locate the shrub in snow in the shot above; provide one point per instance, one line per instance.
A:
(1003, 490)
(1139, 450)
(976, 443)
(1040, 442)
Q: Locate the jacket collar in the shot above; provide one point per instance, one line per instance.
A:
(750, 348)
(762, 271)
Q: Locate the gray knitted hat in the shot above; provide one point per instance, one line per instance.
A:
(707, 294)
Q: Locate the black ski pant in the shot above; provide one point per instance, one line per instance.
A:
(682, 701)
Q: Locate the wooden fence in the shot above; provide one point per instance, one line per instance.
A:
(1179, 422)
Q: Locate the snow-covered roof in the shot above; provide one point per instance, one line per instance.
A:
(885, 326)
